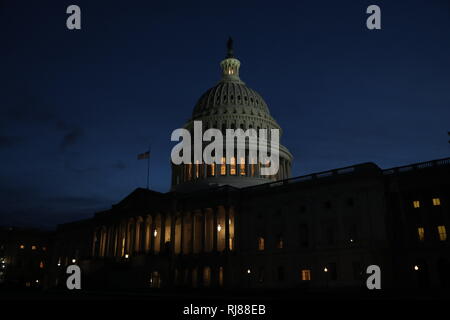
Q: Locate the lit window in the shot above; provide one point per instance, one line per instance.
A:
(197, 169)
(242, 167)
(260, 243)
(212, 169)
(306, 275)
(421, 233)
(223, 167)
(280, 243)
(44, 248)
(442, 233)
(33, 247)
(22, 246)
(41, 265)
(221, 277)
(233, 166)
(188, 171)
(416, 204)
(436, 202)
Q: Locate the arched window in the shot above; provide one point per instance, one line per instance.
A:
(223, 167)
(261, 244)
(233, 166)
(242, 166)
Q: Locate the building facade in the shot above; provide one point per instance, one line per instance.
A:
(226, 225)
(315, 231)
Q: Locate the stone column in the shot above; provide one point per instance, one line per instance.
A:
(182, 233)
(142, 235)
(203, 242)
(173, 221)
(214, 248)
(152, 238)
(227, 228)
(110, 241)
(162, 238)
(116, 241)
(237, 229)
(193, 229)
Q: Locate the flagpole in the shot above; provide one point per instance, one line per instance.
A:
(148, 167)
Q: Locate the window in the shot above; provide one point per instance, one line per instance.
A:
(41, 265)
(33, 247)
(261, 275)
(416, 204)
(155, 279)
(353, 233)
(252, 170)
(357, 270)
(442, 233)
(188, 171)
(260, 243)
(22, 246)
(330, 235)
(436, 202)
(280, 273)
(233, 166)
(212, 170)
(197, 169)
(280, 243)
(332, 270)
(350, 202)
(242, 167)
(421, 233)
(304, 235)
(306, 275)
(207, 276)
(223, 167)
(221, 277)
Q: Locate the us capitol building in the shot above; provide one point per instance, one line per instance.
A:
(225, 225)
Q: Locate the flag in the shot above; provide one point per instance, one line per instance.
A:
(144, 155)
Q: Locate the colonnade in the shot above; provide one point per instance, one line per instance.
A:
(190, 232)
(237, 167)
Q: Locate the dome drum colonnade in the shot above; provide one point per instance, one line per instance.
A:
(230, 105)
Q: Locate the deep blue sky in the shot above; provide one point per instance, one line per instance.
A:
(76, 107)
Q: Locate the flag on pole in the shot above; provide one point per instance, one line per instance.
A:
(144, 155)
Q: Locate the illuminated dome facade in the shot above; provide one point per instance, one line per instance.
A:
(230, 104)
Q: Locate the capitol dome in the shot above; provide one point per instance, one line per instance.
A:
(230, 104)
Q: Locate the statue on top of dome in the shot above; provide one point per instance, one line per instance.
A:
(230, 53)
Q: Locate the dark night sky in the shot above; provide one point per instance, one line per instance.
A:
(76, 107)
